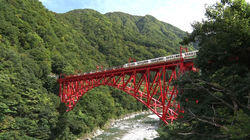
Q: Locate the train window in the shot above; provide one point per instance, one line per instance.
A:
(145, 62)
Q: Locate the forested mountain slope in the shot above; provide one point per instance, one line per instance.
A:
(36, 43)
(120, 36)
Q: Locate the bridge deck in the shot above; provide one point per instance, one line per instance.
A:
(115, 72)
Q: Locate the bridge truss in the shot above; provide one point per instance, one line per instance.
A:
(150, 84)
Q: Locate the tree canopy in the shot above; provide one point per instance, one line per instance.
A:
(217, 99)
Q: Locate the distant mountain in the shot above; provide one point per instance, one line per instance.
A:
(36, 43)
(137, 36)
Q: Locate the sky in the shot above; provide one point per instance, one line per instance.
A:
(180, 13)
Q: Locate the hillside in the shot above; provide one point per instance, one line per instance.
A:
(35, 43)
(119, 36)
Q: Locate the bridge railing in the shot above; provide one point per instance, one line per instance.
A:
(186, 55)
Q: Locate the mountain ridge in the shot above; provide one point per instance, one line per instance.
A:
(141, 28)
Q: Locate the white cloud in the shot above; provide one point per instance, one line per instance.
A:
(43, 1)
(182, 13)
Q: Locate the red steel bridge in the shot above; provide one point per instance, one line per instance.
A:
(149, 81)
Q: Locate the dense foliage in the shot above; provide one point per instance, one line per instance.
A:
(36, 44)
(222, 88)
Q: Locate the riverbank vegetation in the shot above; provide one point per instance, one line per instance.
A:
(37, 44)
(217, 99)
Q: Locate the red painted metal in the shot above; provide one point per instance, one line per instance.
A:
(150, 84)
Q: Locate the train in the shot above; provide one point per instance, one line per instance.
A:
(187, 55)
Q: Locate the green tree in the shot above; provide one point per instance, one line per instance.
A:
(222, 87)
